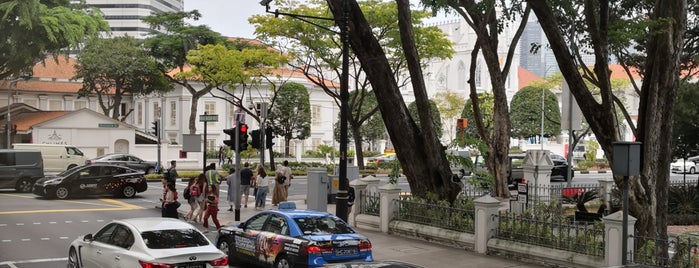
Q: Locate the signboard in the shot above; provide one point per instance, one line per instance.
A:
(522, 199)
(522, 193)
(208, 118)
(105, 125)
(191, 142)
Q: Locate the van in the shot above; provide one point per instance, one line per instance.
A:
(57, 157)
(19, 169)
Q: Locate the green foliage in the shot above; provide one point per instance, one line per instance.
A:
(685, 140)
(290, 116)
(32, 29)
(364, 115)
(117, 67)
(395, 172)
(525, 113)
(486, 103)
(436, 117)
(438, 213)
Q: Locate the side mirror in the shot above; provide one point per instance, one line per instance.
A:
(242, 225)
(87, 238)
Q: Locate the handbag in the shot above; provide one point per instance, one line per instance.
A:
(176, 204)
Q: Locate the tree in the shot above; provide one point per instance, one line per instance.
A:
(170, 47)
(686, 142)
(317, 50)
(421, 154)
(50, 26)
(370, 131)
(290, 116)
(449, 104)
(526, 113)
(605, 28)
(488, 19)
(485, 101)
(436, 117)
(114, 67)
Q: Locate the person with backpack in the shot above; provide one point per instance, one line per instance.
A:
(171, 174)
(213, 179)
(192, 194)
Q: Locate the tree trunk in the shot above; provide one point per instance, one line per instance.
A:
(359, 153)
(193, 115)
(648, 192)
(420, 154)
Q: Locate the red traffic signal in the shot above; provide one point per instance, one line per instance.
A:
(243, 128)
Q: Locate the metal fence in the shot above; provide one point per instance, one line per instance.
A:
(436, 215)
(681, 251)
(546, 193)
(584, 238)
(370, 204)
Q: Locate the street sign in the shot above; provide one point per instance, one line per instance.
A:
(105, 125)
(208, 118)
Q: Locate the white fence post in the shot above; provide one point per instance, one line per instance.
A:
(485, 208)
(387, 194)
(613, 235)
(359, 196)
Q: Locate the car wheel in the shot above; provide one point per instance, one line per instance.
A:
(73, 261)
(282, 262)
(24, 185)
(71, 166)
(225, 246)
(691, 170)
(128, 191)
(150, 171)
(62, 192)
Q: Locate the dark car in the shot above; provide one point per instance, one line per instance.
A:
(288, 237)
(515, 171)
(97, 179)
(128, 160)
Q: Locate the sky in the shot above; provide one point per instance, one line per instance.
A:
(228, 17)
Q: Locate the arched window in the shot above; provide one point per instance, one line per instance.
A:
(478, 75)
(462, 82)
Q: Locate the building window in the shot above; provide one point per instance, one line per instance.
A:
(211, 144)
(139, 113)
(315, 142)
(462, 74)
(315, 115)
(55, 105)
(173, 113)
(478, 75)
(210, 108)
(122, 109)
(77, 105)
(156, 110)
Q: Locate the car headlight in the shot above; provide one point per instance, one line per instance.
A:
(52, 182)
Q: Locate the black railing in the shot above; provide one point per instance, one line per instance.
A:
(436, 215)
(674, 252)
(370, 204)
(577, 237)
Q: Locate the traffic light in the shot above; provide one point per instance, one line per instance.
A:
(156, 128)
(230, 142)
(255, 139)
(268, 137)
(243, 136)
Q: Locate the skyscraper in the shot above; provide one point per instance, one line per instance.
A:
(126, 16)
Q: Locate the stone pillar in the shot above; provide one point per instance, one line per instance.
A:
(537, 167)
(613, 236)
(372, 184)
(298, 149)
(382, 145)
(486, 206)
(387, 207)
(606, 185)
(359, 196)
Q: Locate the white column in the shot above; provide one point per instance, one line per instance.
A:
(537, 174)
(613, 236)
(387, 208)
(485, 208)
(359, 193)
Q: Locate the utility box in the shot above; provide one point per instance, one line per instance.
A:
(334, 186)
(318, 185)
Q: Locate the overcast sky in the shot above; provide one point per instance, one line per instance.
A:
(228, 17)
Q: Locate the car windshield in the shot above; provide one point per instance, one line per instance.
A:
(179, 238)
(322, 225)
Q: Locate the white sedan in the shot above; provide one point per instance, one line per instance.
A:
(682, 166)
(146, 242)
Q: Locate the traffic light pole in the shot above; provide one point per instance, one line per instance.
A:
(238, 191)
(262, 133)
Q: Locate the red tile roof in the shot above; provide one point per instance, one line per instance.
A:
(525, 77)
(25, 121)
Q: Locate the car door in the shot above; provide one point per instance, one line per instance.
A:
(246, 240)
(136, 163)
(272, 238)
(91, 180)
(118, 253)
(93, 252)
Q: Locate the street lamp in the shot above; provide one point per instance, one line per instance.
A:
(341, 209)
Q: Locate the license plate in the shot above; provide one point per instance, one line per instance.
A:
(345, 251)
(194, 266)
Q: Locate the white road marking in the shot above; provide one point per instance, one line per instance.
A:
(84, 221)
(25, 240)
(45, 239)
(37, 223)
(68, 221)
(52, 222)
(12, 263)
(63, 237)
(19, 224)
(3, 224)
(6, 241)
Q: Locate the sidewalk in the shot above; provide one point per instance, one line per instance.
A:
(386, 246)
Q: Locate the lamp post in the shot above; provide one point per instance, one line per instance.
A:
(342, 210)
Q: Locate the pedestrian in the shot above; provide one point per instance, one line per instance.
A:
(245, 181)
(171, 174)
(170, 203)
(286, 171)
(262, 183)
(232, 188)
(213, 179)
(201, 200)
(211, 210)
(221, 155)
(194, 194)
(279, 193)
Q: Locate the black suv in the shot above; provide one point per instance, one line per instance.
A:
(515, 171)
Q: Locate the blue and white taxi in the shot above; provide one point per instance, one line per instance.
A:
(290, 237)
